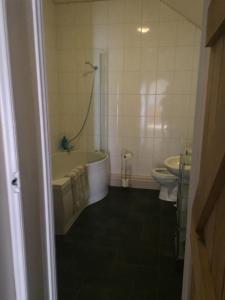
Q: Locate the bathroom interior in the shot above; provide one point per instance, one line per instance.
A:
(122, 80)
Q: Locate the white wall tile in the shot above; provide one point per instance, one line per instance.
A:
(67, 61)
(82, 13)
(82, 37)
(81, 56)
(115, 82)
(131, 82)
(191, 106)
(170, 127)
(198, 36)
(116, 36)
(132, 57)
(172, 105)
(84, 83)
(149, 58)
(50, 37)
(148, 83)
(151, 38)
(184, 58)
(99, 12)
(151, 10)
(143, 167)
(99, 37)
(139, 105)
(132, 11)
(190, 128)
(116, 11)
(116, 58)
(115, 145)
(194, 82)
(114, 125)
(132, 37)
(149, 127)
(165, 82)
(81, 103)
(148, 105)
(167, 14)
(131, 105)
(49, 11)
(145, 148)
(167, 33)
(196, 56)
(69, 103)
(66, 38)
(65, 15)
(166, 58)
(115, 164)
(182, 82)
(136, 126)
(116, 104)
(185, 34)
(152, 77)
(130, 144)
(52, 80)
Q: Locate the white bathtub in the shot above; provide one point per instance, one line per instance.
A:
(97, 166)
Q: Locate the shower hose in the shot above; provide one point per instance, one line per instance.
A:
(64, 142)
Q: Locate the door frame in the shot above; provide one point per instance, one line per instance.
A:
(48, 228)
(39, 49)
(10, 157)
(197, 149)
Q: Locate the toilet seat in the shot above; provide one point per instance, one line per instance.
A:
(162, 173)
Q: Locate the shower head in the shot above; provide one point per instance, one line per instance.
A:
(95, 68)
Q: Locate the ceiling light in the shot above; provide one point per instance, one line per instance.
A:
(143, 29)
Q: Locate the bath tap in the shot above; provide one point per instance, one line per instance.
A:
(65, 144)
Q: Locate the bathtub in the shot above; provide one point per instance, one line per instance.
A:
(97, 170)
(97, 164)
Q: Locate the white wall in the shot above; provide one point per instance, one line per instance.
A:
(152, 76)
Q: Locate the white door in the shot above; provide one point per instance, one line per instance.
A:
(13, 279)
(26, 202)
(208, 222)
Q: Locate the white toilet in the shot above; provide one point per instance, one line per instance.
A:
(168, 184)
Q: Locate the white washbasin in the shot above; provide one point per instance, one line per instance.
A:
(173, 163)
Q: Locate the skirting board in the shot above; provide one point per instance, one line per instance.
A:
(140, 182)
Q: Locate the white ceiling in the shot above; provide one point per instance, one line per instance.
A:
(74, 1)
(190, 9)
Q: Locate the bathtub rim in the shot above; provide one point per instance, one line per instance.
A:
(56, 175)
(106, 156)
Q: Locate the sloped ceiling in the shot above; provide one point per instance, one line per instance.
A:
(190, 9)
(72, 1)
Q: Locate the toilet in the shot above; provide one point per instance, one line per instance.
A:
(168, 184)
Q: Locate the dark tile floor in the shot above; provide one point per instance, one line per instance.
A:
(121, 248)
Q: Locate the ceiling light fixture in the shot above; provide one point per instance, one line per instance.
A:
(143, 29)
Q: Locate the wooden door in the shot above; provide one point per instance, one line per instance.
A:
(208, 219)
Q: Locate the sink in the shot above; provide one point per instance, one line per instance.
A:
(173, 163)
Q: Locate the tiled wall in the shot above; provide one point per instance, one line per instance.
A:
(52, 71)
(152, 75)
